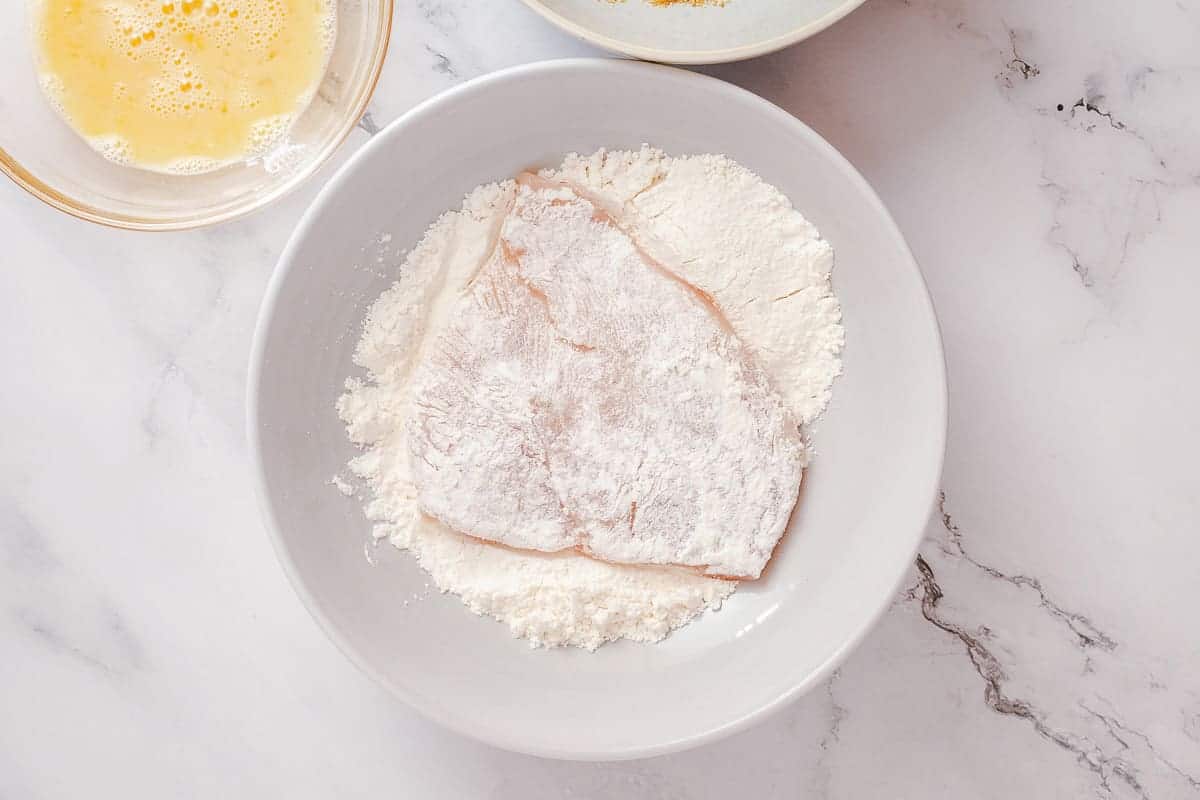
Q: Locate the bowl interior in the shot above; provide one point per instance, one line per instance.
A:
(43, 154)
(685, 33)
(865, 500)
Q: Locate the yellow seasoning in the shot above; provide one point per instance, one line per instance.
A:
(182, 86)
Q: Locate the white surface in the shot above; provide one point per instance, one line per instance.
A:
(688, 34)
(830, 577)
(151, 645)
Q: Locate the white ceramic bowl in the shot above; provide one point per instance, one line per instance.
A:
(687, 34)
(866, 497)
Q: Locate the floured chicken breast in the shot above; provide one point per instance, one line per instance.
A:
(582, 396)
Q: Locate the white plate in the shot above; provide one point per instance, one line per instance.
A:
(686, 34)
(866, 497)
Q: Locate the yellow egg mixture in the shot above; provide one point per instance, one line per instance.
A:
(182, 85)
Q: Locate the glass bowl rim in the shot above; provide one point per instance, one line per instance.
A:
(28, 181)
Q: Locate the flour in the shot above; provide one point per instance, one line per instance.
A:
(560, 599)
(727, 232)
(581, 397)
(705, 217)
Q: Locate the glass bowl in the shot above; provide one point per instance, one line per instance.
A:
(45, 156)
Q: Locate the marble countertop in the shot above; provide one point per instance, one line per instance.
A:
(1043, 160)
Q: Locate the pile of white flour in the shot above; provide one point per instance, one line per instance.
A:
(710, 220)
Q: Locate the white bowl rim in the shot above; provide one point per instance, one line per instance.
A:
(694, 56)
(433, 711)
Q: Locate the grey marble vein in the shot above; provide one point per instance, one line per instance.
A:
(1083, 628)
(995, 697)
(367, 124)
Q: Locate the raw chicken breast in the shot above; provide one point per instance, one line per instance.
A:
(583, 397)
